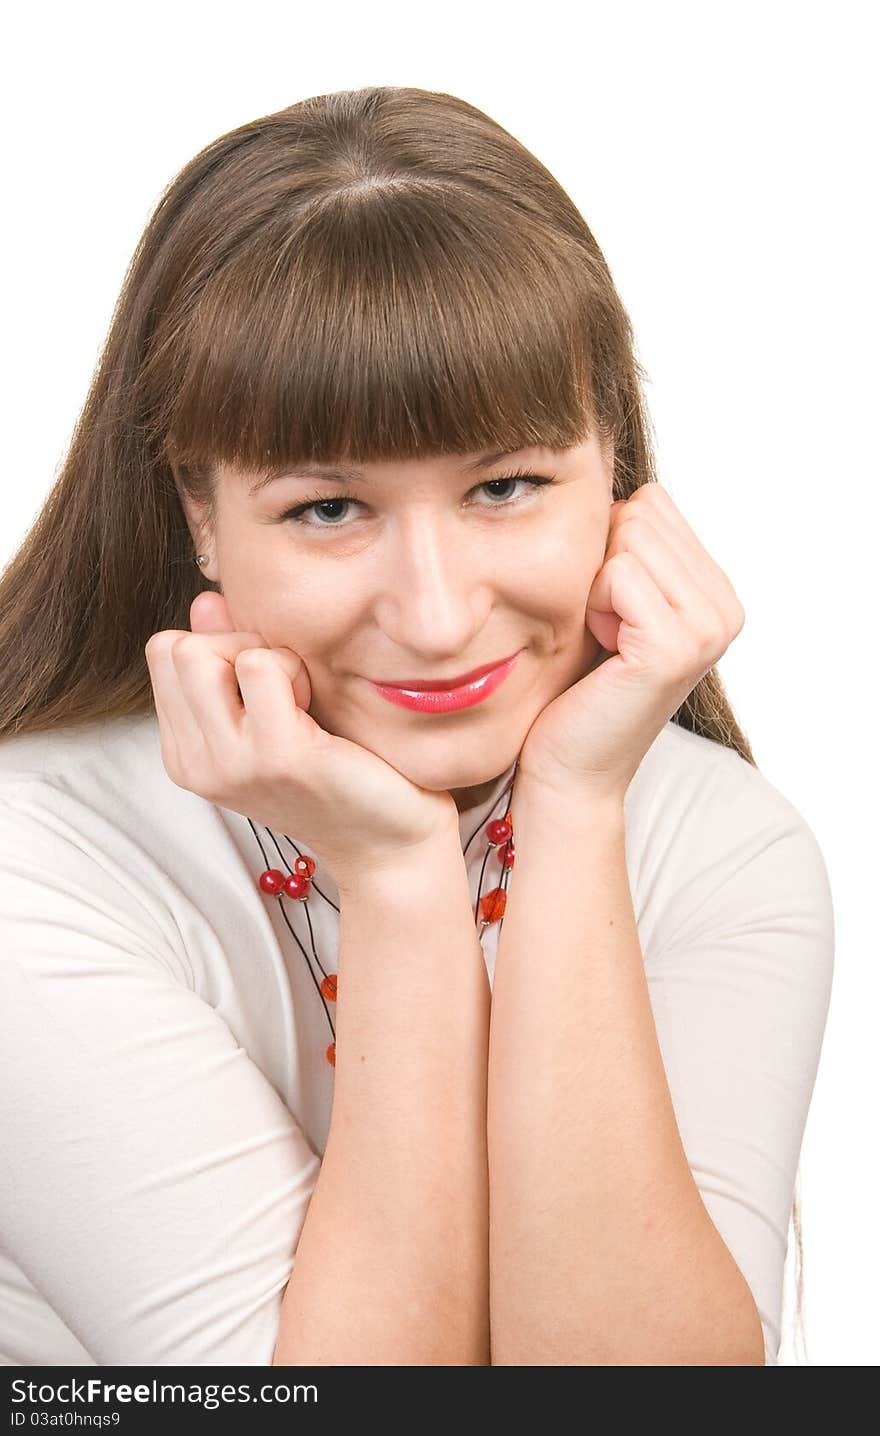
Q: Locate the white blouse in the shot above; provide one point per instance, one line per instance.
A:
(164, 1090)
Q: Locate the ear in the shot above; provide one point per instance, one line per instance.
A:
(196, 515)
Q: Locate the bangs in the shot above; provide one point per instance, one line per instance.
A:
(386, 324)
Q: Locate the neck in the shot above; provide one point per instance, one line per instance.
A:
(466, 798)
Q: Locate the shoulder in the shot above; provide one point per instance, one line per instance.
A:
(99, 790)
(711, 839)
(62, 788)
(95, 779)
(127, 744)
(691, 790)
(96, 840)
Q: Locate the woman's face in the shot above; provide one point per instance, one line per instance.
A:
(422, 570)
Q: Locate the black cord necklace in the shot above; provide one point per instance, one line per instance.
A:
(297, 884)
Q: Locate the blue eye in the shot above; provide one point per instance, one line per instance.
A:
(317, 504)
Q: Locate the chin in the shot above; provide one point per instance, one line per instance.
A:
(432, 768)
(440, 758)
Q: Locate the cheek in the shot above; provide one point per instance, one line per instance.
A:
(288, 607)
(572, 551)
(562, 587)
(315, 627)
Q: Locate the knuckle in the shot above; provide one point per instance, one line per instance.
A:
(655, 499)
(184, 646)
(155, 644)
(737, 615)
(644, 494)
(163, 638)
(715, 643)
(252, 659)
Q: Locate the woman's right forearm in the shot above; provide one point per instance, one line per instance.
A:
(391, 1266)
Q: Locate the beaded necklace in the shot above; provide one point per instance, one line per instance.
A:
(298, 884)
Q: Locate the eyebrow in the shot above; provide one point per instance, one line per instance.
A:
(341, 474)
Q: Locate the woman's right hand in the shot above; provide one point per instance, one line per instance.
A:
(234, 729)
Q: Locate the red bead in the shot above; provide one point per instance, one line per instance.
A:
(508, 855)
(272, 881)
(493, 904)
(330, 1054)
(328, 986)
(304, 866)
(498, 831)
(297, 887)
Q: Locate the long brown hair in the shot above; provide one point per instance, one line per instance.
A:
(369, 275)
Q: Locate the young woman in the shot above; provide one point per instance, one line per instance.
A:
(403, 959)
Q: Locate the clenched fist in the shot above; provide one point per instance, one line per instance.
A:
(234, 729)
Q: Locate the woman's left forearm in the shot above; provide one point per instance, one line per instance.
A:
(601, 1251)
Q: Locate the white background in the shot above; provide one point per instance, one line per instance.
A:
(725, 158)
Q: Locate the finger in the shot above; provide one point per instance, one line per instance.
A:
(625, 589)
(209, 613)
(666, 505)
(659, 505)
(647, 512)
(274, 723)
(167, 741)
(202, 697)
(680, 585)
(208, 703)
(178, 727)
(660, 513)
(294, 668)
(211, 683)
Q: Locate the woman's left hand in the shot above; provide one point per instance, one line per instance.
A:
(665, 612)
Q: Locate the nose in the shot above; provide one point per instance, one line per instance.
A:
(434, 596)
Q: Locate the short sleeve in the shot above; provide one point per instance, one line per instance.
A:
(154, 1184)
(740, 992)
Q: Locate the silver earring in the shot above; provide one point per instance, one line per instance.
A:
(201, 558)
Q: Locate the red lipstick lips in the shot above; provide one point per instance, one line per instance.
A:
(444, 684)
(447, 696)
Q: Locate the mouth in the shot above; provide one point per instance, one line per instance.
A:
(444, 685)
(447, 696)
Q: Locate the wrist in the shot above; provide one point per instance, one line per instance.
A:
(409, 873)
(566, 807)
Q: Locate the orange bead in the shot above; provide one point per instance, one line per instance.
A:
(328, 986)
(493, 904)
(330, 1054)
(304, 866)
